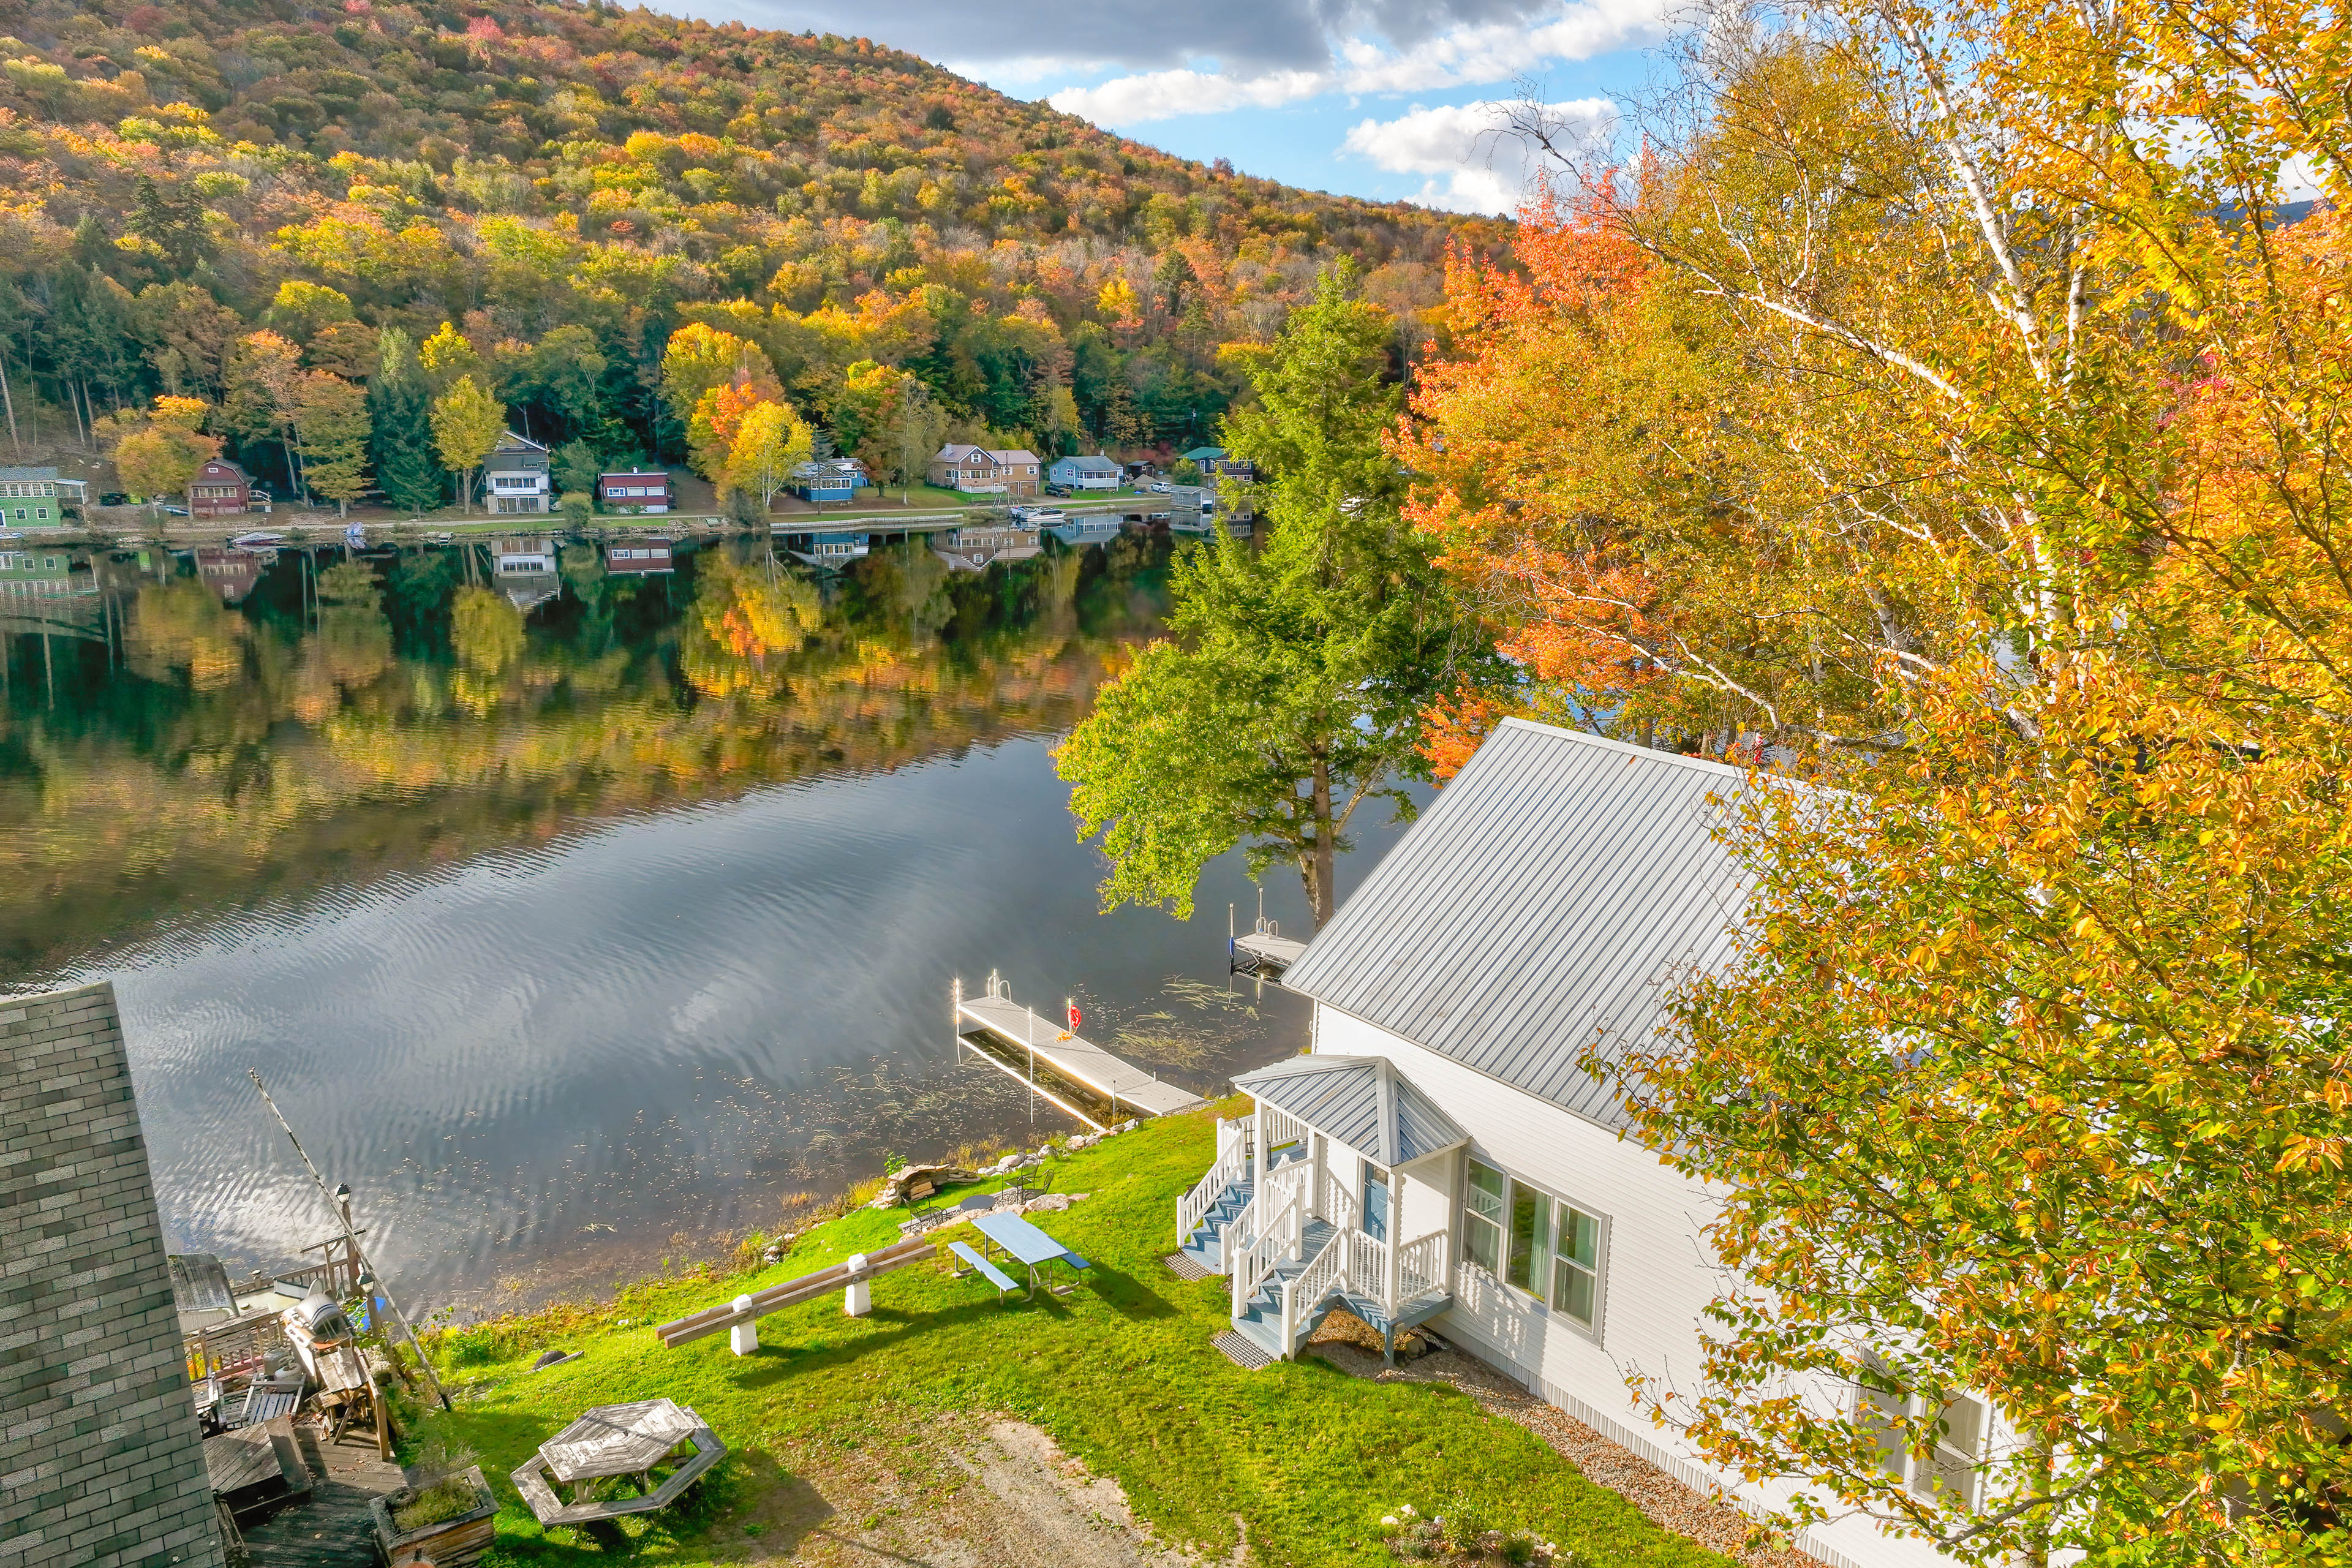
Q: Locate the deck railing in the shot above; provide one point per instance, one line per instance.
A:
(1276, 1235)
(1421, 1266)
(1334, 1202)
(1231, 1168)
(1328, 1271)
(1280, 1128)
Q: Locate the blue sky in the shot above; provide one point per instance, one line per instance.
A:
(1386, 98)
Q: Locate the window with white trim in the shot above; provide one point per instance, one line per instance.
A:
(1550, 1250)
(1951, 1460)
(1482, 1217)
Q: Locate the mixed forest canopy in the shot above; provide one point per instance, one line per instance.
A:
(219, 200)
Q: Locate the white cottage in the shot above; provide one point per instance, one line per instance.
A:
(1440, 1157)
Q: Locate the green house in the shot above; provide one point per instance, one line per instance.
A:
(35, 497)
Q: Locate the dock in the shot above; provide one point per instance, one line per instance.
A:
(1059, 1064)
(1265, 953)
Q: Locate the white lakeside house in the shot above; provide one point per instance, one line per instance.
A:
(1440, 1156)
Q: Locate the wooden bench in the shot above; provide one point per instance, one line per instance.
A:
(988, 1271)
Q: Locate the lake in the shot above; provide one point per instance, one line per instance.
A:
(578, 909)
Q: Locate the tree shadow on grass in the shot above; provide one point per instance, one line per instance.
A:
(1129, 1296)
(772, 1362)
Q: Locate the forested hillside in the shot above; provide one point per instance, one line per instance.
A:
(567, 185)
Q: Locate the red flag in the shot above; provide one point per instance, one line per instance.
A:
(1074, 1016)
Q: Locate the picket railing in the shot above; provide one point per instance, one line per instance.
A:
(1275, 1237)
(1335, 1202)
(1279, 1127)
(1421, 1267)
(1231, 1168)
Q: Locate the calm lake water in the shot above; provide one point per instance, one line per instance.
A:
(577, 909)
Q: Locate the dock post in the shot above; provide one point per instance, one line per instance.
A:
(744, 1337)
(955, 1016)
(1029, 1034)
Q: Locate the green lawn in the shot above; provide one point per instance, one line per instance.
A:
(1120, 1373)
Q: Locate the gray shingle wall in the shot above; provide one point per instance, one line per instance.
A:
(101, 1464)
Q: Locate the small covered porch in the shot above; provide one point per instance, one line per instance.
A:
(1338, 1190)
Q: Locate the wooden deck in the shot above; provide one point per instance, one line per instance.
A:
(1006, 1034)
(332, 1528)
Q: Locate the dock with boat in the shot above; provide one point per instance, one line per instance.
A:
(1059, 1064)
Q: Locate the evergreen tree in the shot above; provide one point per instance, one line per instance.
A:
(399, 406)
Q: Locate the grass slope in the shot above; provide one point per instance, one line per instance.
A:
(1120, 1373)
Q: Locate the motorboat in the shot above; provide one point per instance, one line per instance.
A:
(257, 541)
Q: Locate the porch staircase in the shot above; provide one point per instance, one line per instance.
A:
(1260, 1320)
(1206, 1245)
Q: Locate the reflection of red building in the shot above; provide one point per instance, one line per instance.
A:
(219, 489)
(639, 557)
(231, 572)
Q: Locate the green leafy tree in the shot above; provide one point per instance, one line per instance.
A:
(467, 423)
(576, 469)
(400, 421)
(331, 417)
(1292, 692)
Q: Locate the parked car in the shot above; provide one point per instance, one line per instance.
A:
(1160, 487)
(114, 498)
(176, 511)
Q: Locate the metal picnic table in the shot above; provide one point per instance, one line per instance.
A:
(1025, 1243)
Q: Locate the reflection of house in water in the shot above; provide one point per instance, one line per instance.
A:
(232, 572)
(827, 548)
(977, 547)
(47, 590)
(524, 566)
(641, 557)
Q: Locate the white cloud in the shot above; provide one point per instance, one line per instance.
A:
(1481, 164)
(1163, 95)
(1469, 54)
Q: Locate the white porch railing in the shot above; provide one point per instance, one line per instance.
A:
(1422, 1267)
(1281, 1127)
(1232, 1167)
(1334, 1202)
(1273, 1215)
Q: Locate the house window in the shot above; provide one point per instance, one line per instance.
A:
(1482, 1218)
(1951, 1460)
(1576, 1266)
(1553, 1250)
(1530, 1229)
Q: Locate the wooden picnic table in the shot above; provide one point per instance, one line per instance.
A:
(610, 1441)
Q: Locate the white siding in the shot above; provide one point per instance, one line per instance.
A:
(1659, 1276)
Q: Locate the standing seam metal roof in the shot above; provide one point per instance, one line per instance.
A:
(1364, 1102)
(1551, 898)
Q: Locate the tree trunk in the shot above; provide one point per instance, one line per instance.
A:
(1319, 885)
(10, 401)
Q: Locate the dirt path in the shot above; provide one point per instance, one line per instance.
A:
(972, 1495)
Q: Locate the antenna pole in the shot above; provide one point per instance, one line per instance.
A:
(351, 1237)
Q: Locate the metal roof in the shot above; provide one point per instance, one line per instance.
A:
(1548, 899)
(1362, 1101)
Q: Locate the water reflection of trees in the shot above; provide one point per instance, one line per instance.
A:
(360, 718)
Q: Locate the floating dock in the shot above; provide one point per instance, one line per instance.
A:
(1059, 1064)
(1265, 953)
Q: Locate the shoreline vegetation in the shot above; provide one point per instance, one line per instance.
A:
(850, 1436)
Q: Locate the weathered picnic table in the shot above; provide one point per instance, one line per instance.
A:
(1024, 1242)
(611, 1441)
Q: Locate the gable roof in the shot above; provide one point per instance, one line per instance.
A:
(1362, 1101)
(1549, 899)
(510, 442)
(34, 476)
(1088, 465)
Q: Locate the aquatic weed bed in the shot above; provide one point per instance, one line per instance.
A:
(1119, 1373)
